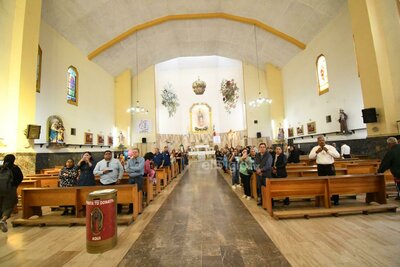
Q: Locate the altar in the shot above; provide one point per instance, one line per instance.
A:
(201, 152)
(202, 148)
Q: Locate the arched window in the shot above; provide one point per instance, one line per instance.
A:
(322, 75)
(72, 85)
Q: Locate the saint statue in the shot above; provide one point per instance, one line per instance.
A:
(121, 139)
(343, 122)
(56, 131)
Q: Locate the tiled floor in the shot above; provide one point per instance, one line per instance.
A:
(203, 223)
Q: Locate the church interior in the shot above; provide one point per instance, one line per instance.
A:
(198, 78)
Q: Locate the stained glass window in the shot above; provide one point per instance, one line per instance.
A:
(322, 74)
(72, 85)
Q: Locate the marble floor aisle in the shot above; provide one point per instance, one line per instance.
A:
(203, 223)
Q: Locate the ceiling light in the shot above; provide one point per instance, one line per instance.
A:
(260, 100)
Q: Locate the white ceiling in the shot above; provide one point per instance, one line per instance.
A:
(90, 23)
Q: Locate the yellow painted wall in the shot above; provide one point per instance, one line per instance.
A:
(21, 42)
(261, 114)
(375, 26)
(275, 90)
(147, 99)
(123, 101)
(7, 13)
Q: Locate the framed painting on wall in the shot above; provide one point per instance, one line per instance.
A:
(200, 118)
(311, 128)
(300, 130)
(290, 132)
(110, 140)
(100, 139)
(88, 139)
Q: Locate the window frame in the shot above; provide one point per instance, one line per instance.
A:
(325, 90)
(76, 86)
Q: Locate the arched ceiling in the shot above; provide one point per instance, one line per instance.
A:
(88, 24)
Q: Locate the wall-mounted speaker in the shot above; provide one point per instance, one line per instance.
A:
(369, 115)
(144, 140)
(258, 134)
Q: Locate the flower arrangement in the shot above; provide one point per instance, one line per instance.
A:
(230, 94)
(169, 99)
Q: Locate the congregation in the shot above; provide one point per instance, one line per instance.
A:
(271, 162)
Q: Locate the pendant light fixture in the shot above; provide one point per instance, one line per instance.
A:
(137, 109)
(260, 100)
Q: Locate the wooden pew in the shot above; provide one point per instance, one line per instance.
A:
(148, 189)
(323, 187)
(296, 164)
(312, 172)
(26, 184)
(161, 175)
(295, 187)
(300, 167)
(44, 180)
(35, 198)
(169, 174)
(359, 169)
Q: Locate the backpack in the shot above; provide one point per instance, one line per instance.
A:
(6, 179)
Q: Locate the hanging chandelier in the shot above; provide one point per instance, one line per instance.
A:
(260, 100)
(137, 109)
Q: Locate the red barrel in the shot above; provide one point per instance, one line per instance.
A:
(101, 220)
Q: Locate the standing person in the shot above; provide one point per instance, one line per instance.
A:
(158, 158)
(279, 167)
(149, 167)
(245, 172)
(166, 158)
(86, 166)
(234, 167)
(253, 153)
(392, 161)
(225, 160)
(263, 168)
(294, 155)
(109, 169)
(135, 169)
(68, 178)
(325, 157)
(11, 177)
(345, 151)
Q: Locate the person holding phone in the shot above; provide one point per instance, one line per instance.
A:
(86, 167)
(109, 169)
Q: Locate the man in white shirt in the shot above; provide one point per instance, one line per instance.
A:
(345, 151)
(109, 169)
(325, 157)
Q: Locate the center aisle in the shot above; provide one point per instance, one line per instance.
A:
(203, 223)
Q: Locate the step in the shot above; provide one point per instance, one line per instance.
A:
(336, 211)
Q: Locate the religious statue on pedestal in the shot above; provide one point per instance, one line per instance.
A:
(55, 130)
(343, 122)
